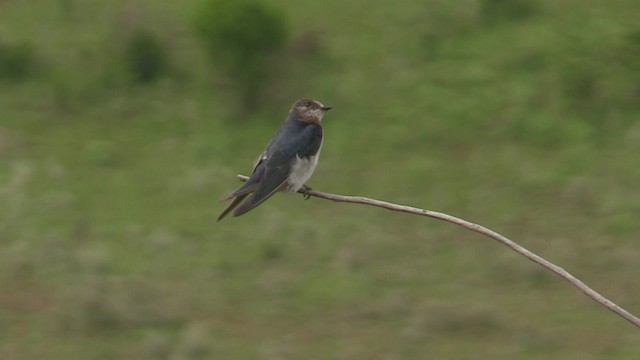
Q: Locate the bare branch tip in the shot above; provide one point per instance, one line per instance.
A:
(589, 292)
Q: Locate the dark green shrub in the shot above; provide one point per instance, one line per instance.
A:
(145, 58)
(241, 36)
(600, 80)
(629, 54)
(496, 11)
(16, 61)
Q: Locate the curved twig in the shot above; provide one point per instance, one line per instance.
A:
(594, 295)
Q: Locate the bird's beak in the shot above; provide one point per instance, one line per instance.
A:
(326, 108)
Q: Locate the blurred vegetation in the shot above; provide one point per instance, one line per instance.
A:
(519, 115)
(241, 36)
(16, 61)
(495, 11)
(145, 57)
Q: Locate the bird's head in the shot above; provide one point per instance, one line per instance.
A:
(308, 110)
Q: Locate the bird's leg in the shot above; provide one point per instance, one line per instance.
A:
(305, 192)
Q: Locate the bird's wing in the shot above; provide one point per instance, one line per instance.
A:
(257, 172)
(250, 185)
(278, 165)
(256, 198)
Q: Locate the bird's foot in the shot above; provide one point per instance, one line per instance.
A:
(305, 192)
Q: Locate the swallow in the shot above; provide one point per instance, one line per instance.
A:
(287, 162)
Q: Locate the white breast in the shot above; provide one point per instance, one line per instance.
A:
(301, 171)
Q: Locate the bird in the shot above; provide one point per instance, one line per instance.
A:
(287, 162)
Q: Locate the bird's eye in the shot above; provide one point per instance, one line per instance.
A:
(307, 104)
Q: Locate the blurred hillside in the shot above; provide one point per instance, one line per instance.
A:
(120, 130)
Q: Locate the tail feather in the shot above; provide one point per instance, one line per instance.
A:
(232, 206)
(243, 190)
(252, 202)
(238, 196)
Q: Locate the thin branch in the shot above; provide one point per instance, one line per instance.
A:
(594, 295)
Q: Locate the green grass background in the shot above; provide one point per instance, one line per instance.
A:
(528, 125)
